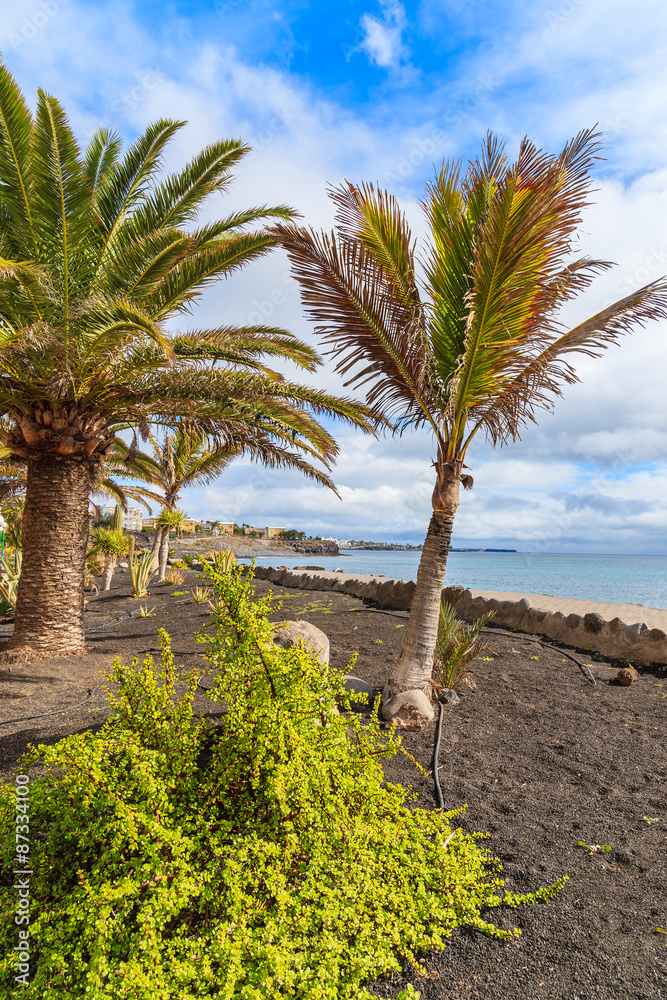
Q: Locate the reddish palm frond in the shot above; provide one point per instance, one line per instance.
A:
(351, 299)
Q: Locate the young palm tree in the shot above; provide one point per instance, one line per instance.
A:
(112, 543)
(97, 253)
(484, 348)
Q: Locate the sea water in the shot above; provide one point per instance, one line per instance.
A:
(622, 579)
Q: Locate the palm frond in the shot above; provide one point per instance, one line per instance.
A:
(100, 158)
(61, 199)
(349, 297)
(175, 201)
(241, 345)
(15, 174)
(125, 186)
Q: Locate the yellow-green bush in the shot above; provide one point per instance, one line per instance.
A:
(262, 859)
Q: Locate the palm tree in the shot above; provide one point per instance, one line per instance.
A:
(112, 543)
(483, 349)
(97, 253)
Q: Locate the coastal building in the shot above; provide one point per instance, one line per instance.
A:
(132, 517)
(265, 532)
(187, 528)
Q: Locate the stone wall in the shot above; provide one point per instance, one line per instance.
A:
(634, 642)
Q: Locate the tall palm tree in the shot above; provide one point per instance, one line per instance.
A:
(97, 252)
(474, 346)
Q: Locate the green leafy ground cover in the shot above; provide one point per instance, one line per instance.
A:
(263, 858)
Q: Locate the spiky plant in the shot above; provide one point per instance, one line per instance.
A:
(98, 251)
(456, 646)
(141, 573)
(174, 577)
(10, 573)
(477, 346)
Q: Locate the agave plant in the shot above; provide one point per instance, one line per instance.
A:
(224, 560)
(141, 573)
(174, 576)
(457, 646)
(11, 571)
(200, 594)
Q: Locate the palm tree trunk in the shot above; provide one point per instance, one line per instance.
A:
(164, 555)
(412, 670)
(155, 549)
(49, 607)
(108, 572)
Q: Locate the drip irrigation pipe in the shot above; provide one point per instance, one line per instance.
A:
(434, 761)
(44, 715)
(586, 671)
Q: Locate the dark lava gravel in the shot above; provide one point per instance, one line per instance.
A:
(540, 756)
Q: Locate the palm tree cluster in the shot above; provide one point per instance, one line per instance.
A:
(98, 251)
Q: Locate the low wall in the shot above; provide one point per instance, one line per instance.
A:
(634, 642)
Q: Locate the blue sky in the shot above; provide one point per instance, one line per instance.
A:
(382, 91)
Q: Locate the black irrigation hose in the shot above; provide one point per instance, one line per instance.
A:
(44, 715)
(547, 645)
(586, 671)
(434, 761)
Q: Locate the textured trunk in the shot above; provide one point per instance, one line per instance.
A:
(49, 607)
(155, 549)
(412, 670)
(164, 555)
(108, 572)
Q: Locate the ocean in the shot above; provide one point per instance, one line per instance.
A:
(631, 579)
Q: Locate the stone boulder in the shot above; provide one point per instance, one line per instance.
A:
(411, 710)
(290, 633)
(357, 686)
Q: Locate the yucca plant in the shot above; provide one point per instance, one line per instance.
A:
(145, 612)
(456, 646)
(476, 346)
(99, 251)
(141, 573)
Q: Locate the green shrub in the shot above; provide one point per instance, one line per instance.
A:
(262, 859)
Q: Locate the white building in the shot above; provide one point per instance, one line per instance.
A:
(132, 517)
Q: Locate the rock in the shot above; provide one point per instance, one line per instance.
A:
(593, 622)
(339, 570)
(539, 614)
(410, 710)
(123, 565)
(626, 676)
(573, 621)
(355, 685)
(320, 568)
(288, 634)
(657, 635)
(524, 604)
(448, 696)
(633, 633)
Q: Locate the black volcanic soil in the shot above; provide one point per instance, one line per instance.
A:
(541, 757)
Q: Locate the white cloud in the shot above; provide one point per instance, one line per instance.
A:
(383, 38)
